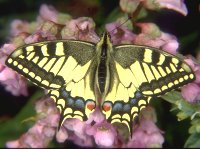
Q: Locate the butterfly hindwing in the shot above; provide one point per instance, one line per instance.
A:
(141, 73)
(64, 69)
(123, 102)
(75, 99)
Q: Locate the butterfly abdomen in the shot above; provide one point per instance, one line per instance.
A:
(102, 71)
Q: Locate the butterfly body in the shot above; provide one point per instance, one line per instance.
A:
(80, 76)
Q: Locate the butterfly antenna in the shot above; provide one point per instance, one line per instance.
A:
(78, 30)
(120, 25)
(131, 17)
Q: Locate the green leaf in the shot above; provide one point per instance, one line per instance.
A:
(195, 126)
(187, 109)
(15, 127)
(188, 39)
(193, 141)
(182, 115)
(114, 15)
(172, 97)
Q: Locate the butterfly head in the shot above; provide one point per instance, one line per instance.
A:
(105, 37)
(105, 42)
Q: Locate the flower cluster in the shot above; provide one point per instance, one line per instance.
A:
(191, 92)
(51, 25)
(43, 130)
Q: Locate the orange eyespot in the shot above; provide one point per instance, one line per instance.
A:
(90, 106)
(106, 107)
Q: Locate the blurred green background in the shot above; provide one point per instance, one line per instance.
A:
(186, 29)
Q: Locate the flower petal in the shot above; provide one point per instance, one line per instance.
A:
(190, 92)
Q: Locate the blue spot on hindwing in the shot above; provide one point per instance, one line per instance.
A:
(138, 94)
(126, 108)
(79, 103)
(133, 101)
(117, 107)
(70, 101)
(64, 93)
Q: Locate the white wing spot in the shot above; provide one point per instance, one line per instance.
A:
(25, 70)
(32, 74)
(181, 79)
(170, 84)
(191, 76)
(176, 82)
(20, 66)
(15, 63)
(10, 60)
(186, 77)
(38, 78)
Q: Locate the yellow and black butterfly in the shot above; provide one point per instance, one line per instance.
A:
(77, 74)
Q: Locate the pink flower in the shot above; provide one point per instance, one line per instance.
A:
(82, 28)
(87, 142)
(151, 36)
(191, 91)
(96, 116)
(62, 135)
(104, 134)
(77, 126)
(32, 38)
(43, 130)
(18, 26)
(120, 34)
(79, 129)
(47, 30)
(195, 67)
(129, 6)
(146, 134)
(176, 5)
(12, 81)
(48, 13)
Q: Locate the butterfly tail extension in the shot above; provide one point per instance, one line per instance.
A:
(125, 112)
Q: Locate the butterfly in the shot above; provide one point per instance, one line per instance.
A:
(81, 76)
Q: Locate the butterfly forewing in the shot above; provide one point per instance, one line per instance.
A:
(64, 68)
(154, 72)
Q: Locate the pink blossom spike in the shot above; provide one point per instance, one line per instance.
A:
(146, 134)
(191, 92)
(104, 134)
(176, 5)
(155, 38)
(120, 34)
(48, 13)
(43, 130)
